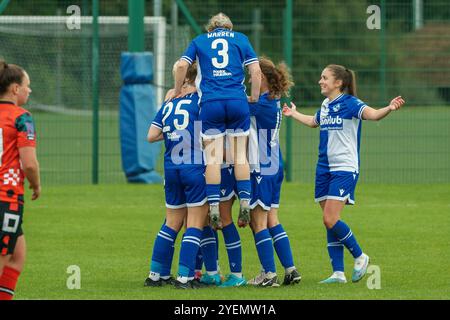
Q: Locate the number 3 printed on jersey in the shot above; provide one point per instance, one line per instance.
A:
(223, 52)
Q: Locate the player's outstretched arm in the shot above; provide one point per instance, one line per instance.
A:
(30, 167)
(378, 114)
(154, 134)
(300, 117)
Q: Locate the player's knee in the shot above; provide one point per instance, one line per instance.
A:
(18, 258)
(258, 225)
(329, 221)
(17, 263)
(3, 261)
(175, 225)
(272, 221)
(255, 227)
(226, 219)
(271, 224)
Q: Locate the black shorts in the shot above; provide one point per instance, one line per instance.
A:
(11, 215)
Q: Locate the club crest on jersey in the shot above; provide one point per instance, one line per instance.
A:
(337, 107)
(258, 179)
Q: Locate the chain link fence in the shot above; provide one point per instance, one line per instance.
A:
(405, 52)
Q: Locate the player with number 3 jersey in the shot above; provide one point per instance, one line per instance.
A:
(222, 54)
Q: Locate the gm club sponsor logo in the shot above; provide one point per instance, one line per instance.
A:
(331, 123)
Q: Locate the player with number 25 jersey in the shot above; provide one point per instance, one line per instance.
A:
(183, 158)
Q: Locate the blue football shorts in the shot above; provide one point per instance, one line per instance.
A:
(220, 117)
(227, 183)
(266, 190)
(336, 185)
(185, 187)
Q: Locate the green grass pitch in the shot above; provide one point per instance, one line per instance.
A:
(108, 231)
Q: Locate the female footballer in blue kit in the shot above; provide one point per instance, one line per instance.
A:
(339, 119)
(222, 55)
(184, 184)
(266, 166)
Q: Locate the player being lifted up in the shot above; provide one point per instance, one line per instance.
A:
(266, 164)
(184, 185)
(222, 55)
(339, 119)
(17, 161)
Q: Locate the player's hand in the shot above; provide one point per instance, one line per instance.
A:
(178, 95)
(289, 112)
(219, 227)
(173, 94)
(36, 192)
(252, 100)
(396, 103)
(242, 224)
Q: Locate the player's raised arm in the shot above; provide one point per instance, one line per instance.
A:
(255, 75)
(180, 74)
(300, 117)
(378, 114)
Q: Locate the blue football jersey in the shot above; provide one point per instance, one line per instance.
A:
(178, 120)
(264, 143)
(340, 133)
(221, 56)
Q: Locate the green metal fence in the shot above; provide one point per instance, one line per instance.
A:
(408, 55)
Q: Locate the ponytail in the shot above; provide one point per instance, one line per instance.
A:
(351, 87)
(347, 76)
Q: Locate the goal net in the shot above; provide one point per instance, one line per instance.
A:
(59, 60)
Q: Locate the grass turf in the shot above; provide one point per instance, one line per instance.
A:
(108, 231)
